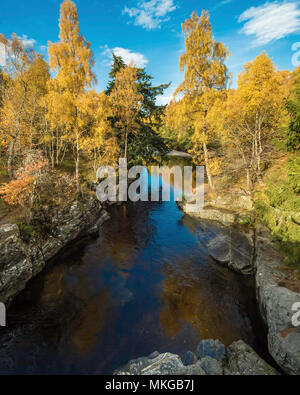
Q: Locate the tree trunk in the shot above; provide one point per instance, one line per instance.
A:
(205, 150)
(77, 162)
(52, 154)
(249, 183)
(11, 150)
(258, 146)
(209, 176)
(126, 144)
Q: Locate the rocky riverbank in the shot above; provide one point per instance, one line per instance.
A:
(246, 250)
(20, 260)
(251, 252)
(210, 358)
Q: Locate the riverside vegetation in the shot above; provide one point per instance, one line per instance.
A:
(55, 131)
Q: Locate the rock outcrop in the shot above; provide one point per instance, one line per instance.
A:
(20, 261)
(232, 245)
(227, 209)
(276, 301)
(212, 359)
(223, 216)
(254, 253)
(234, 248)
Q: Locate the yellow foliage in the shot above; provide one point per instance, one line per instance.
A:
(126, 102)
(204, 83)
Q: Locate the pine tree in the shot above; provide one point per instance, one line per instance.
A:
(147, 143)
(117, 65)
(149, 107)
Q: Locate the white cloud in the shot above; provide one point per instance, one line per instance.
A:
(28, 43)
(271, 21)
(127, 55)
(164, 100)
(151, 14)
(221, 4)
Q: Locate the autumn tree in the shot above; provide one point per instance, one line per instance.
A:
(24, 82)
(205, 80)
(252, 115)
(126, 104)
(100, 142)
(17, 79)
(149, 108)
(148, 142)
(23, 190)
(38, 189)
(39, 77)
(72, 60)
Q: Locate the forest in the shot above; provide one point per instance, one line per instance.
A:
(56, 129)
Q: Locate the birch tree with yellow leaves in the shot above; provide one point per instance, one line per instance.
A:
(12, 114)
(25, 75)
(252, 115)
(72, 60)
(205, 80)
(101, 142)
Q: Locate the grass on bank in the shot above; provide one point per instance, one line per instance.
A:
(277, 204)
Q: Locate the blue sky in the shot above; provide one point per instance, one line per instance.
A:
(149, 31)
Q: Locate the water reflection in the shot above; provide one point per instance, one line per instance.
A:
(215, 311)
(144, 284)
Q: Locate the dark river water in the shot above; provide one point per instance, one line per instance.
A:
(145, 283)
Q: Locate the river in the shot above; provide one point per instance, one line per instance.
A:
(145, 283)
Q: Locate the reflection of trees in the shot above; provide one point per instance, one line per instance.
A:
(76, 309)
(125, 236)
(80, 297)
(198, 302)
(93, 317)
(182, 305)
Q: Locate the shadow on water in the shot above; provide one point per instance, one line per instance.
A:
(144, 283)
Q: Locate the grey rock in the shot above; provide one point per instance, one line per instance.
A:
(241, 251)
(218, 248)
(237, 359)
(235, 201)
(20, 261)
(211, 348)
(223, 216)
(243, 360)
(163, 364)
(194, 370)
(275, 303)
(104, 216)
(154, 355)
(189, 358)
(12, 248)
(225, 209)
(233, 248)
(237, 250)
(211, 367)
